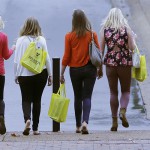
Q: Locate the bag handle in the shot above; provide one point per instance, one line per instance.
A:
(34, 39)
(92, 35)
(136, 49)
(62, 90)
(93, 38)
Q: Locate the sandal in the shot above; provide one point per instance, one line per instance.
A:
(27, 128)
(84, 129)
(2, 125)
(36, 132)
(78, 129)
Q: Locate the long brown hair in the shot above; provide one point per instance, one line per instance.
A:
(80, 23)
(31, 27)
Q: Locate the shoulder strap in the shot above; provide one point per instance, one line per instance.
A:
(92, 35)
(37, 39)
(29, 38)
(34, 39)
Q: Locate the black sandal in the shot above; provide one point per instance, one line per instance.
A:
(84, 130)
(78, 129)
(26, 131)
(2, 125)
(27, 128)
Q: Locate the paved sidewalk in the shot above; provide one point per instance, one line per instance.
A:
(102, 140)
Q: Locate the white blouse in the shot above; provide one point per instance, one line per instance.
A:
(21, 45)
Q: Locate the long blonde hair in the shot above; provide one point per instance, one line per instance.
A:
(80, 23)
(115, 19)
(31, 27)
(2, 25)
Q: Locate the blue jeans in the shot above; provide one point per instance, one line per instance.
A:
(83, 80)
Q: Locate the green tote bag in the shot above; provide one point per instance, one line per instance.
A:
(59, 104)
(140, 74)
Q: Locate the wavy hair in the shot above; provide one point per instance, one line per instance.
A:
(2, 25)
(31, 27)
(80, 23)
(115, 19)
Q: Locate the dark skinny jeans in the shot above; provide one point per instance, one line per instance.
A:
(2, 103)
(83, 80)
(31, 90)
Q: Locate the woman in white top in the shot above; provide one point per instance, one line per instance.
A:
(31, 85)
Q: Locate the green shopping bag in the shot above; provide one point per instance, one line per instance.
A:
(140, 74)
(34, 58)
(59, 104)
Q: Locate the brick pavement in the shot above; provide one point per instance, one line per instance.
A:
(76, 145)
(102, 140)
(96, 140)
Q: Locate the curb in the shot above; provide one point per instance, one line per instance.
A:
(72, 136)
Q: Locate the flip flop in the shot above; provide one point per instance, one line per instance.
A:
(26, 131)
(84, 130)
(27, 128)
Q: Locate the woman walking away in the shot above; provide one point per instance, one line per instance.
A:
(5, 53)
(82, 72)
(117, 36)
(31, 85)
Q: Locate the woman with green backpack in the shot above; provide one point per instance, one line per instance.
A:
(31, 84)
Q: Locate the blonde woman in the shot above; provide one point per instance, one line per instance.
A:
(5, 54)
(31, 85)
(117, 36)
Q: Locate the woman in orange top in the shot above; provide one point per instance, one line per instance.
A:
(82, 72)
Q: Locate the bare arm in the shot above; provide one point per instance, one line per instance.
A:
(102, 41)
(102, 48)
(131, 39)
(62, 79)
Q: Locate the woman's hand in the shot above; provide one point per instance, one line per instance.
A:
(49, 80)
(13, 47)
(62, 79)
(100, 72)
(16, 80)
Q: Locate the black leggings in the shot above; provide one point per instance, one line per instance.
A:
(31, 89)
(2, 103)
